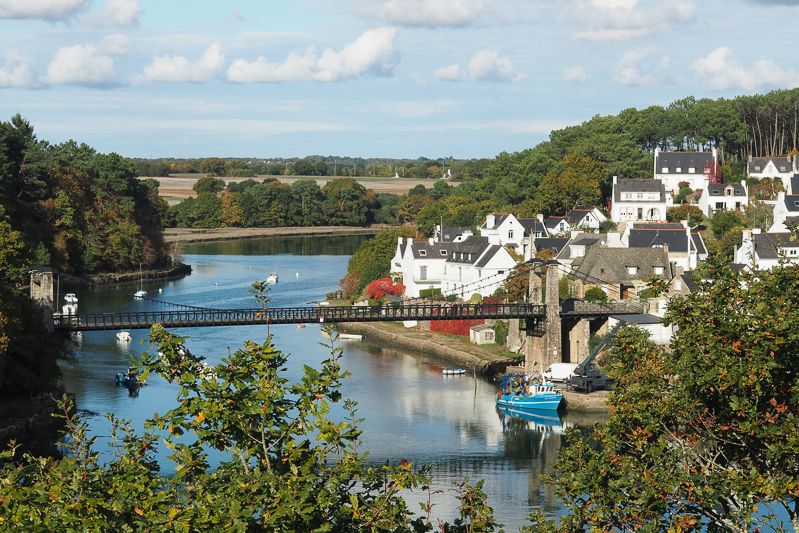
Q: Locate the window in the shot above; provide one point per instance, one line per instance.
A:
(782, 168)
(796, 203)
(691, 170)
(423, 253)
(678, 169)
(757, 169)
(442, 252)
(500, 271)
(422, 273)
(640, 213)
(716, 192)
(658, 271)
(640, 196)
(664, 170)
(510, 234)
(633, 270)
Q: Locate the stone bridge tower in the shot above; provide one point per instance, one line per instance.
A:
(42, 293)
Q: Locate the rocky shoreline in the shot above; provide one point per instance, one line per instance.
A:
(192, 235)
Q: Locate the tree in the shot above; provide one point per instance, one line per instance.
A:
(213, 166)
(701, 437)
(345, 202)
(595, 294)
(303, 167)
(384, 286)
(577, 185)
(209, 184)
(688, 212)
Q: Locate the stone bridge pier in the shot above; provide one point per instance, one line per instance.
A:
(42, 293)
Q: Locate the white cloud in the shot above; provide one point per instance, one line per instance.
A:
(576, 75)
(719, 73)
(179, 69)
(372, 53)
(633, 69)
(432, 13)
(416, 79)
(621, 20)
(115, 45)
(450, 73)
(116, 13)
(81, 65)
(18, 72)
(41, 9)
(487, 65)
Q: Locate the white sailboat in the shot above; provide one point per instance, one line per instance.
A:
(141, 293)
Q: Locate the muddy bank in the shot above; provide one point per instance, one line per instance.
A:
(128, 277)
(188, 235)
(476, 359)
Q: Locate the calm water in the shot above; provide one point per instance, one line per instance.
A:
(411, 410)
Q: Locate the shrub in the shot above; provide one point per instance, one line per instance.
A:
(383, 286)
(596, 295)
(427, 293)
(501, 332)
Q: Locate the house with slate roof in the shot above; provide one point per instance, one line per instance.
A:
(724, 197)
(685, 249)
(675, 167)
(580, 243)
(420, 264)
(783, 167)
(555, 244)
(786, 211)
(621, 272)
(475, 266)
(585, 220)
(452, 233)
(763, 251)
(558, 225)
(514, 233)
(641, 200)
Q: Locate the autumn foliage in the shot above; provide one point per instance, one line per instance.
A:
(383, 286)
(455, 327)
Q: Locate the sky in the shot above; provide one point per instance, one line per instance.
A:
(371, 78)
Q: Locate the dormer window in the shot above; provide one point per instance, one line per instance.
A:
(658, 270)
(716, 192)
(443, 252)
(782, 168)
(423, 253)
(757, 169)
(691, 170)
(664, 170)
(795, 203)
(632, 270)
(678, 169)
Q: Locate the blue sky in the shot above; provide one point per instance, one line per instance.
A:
(371, 78)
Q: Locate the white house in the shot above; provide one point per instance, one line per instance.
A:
(685, 249)
(724, 197)
(783, 167)
(586, 220)
(786, 210)
(641, 200)
(672, 168)
(475, 266)
(763, 251)
(420, 264)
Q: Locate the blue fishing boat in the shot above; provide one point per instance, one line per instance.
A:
(522, 391)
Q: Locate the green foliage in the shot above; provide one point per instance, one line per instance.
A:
(427, 293)
(607, 226)
(565, 288)
(372, 260)
(596, 295)
(691, 213)
(517, 283)
(290, 467)
(209, 184)
(501, 332)
(703, 435)
(593, 341)
(684, 191)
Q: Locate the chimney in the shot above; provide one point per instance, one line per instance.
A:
(431, 240)
(490, 220)
(615, 180)
(540, 218)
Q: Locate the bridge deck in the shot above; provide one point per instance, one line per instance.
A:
(306, 315)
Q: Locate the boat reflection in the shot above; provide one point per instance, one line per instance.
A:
(537, 420)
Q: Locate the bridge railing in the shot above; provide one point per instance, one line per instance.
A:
(293, 315)
(580, 308)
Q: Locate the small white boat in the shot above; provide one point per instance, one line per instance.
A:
(454, 371)
(300, 326)
(140, 294)
(69, 309)
(350, 337)
(272, 279)
(124, 336)
(70, 298)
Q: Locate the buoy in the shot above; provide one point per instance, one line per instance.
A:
(160, 291)
(298, 274)
(216, 284)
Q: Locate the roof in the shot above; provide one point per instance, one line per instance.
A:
(499, 218)
(717, 189)
(682, 161)
(782, 163)
(532, 225)
(795, 184)
(488, 255)
(676, 240)
(577, 215)
(469, 250)
(583, 239)
(422, 249)
(658, 225)
(611, 265)
(792, 202)
(553, 222)
(451, 232)
(551, 243)
(768, 245)
(699, 243)
(640, 185)
(638, 319)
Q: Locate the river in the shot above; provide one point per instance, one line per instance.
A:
(411, 410)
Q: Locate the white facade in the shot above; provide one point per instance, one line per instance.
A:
(476, 266)
(763, 251)
(420, 264)
(786, 208)
(783, 167)
(639, 201)
(724, 197)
